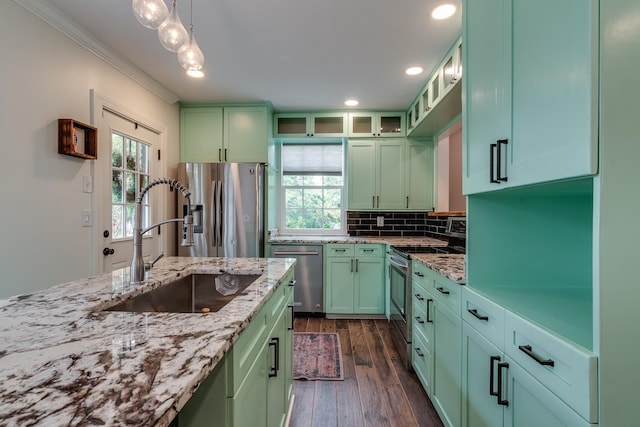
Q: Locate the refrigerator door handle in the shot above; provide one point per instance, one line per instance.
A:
(219, 217)
(215, 214)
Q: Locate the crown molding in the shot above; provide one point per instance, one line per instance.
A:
(69, 28)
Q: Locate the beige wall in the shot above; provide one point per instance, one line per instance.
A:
(46, 76)
(449, 151)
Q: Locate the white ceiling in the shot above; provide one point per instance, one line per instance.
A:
(298, 54)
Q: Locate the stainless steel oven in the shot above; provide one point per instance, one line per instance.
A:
(400, 302)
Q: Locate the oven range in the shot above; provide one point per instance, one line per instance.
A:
(400, 296)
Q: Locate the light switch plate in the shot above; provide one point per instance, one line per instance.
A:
(380, 221)
(87, 184)
(87, 220)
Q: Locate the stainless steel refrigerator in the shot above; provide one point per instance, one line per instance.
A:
(228, 208)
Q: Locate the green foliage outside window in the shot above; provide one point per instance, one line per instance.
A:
(313, 201)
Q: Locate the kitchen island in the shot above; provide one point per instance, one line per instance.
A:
(64, 361)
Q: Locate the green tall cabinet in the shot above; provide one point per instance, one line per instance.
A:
(531, 92)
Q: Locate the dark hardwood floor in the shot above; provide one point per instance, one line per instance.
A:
(377, 390)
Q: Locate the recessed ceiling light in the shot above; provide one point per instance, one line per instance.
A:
(198, 74)
(414, 71)
(351, 102)
(443, 11)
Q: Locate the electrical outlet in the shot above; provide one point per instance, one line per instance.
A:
(380, 221)
(87, 220)
(87, 184)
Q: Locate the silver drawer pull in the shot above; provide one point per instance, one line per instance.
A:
(526, 349)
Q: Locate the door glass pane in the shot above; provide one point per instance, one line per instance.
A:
(435, 88)
(329, 125)
(448, 72)
(130, 168)
(425, 100)
(292, 125)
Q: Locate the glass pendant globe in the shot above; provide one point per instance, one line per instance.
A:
(190, 56)
(150, 13)
(171, 32)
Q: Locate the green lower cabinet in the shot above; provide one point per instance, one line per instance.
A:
(355, 279)
(252, 385)
(446, 391)
(248, 407)
(208, 406)
(480, 359)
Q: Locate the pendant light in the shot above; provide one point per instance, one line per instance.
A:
(171, 32)
(190, 56)
(150, 13)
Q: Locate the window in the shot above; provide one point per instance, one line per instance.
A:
(312, 188)
(130, 174)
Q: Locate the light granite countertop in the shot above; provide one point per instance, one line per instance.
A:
(450, 266)
(65, 362)
(390, 240)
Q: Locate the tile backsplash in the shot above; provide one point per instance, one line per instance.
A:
(395, 224)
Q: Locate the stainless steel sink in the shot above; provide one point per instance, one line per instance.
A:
(196, 293)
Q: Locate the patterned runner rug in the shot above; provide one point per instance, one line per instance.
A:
(317, 356)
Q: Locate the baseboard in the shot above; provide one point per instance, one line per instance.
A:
(289, 411)
(356, 316)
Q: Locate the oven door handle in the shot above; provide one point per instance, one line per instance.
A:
(398, 262)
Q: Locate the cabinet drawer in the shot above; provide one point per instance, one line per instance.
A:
(422, 274)
(421, 360)
(246, 349)
(421, 324)
(568, 371)
(420, 296)
(483, 315)
(372, 250)
(336, 249)
(447, 292)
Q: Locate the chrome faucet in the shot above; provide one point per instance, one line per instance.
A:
(138, 266)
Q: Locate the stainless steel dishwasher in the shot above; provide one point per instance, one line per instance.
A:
(308, 293)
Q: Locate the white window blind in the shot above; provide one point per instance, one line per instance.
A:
(312, 159)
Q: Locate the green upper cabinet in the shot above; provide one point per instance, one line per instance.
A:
(224, 134)
(390, 174)
(374, 178)
(201, 137)
(530, 112)
(375, 125)
(310, 124)
(246, 131)
(419, 175)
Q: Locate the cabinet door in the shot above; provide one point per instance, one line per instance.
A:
(487, 107)
(276, 390)
(246, 134)
(201, 134)
(288, 349)
(369, 286)
(533, 405)
(391, 161)
(447, 375)
(419, 176)
(328, 124)
(555, 83)
(291, 124)
(479, 360)
(208, 405)
(339, 285)
(391, 124)
(249, 405)
(362, 174)
(362, 125)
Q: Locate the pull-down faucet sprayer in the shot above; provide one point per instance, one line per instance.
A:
(137, 262)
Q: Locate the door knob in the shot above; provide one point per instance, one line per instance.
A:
(108, 251)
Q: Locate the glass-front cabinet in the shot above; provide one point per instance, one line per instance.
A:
(380, 124)
(308, 125)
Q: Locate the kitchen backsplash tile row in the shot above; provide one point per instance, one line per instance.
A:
(395, 224)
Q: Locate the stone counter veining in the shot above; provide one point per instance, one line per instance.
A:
(450, 266)
(64, 362)
(387, 240)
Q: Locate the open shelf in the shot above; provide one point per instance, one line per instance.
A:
(77, 139)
